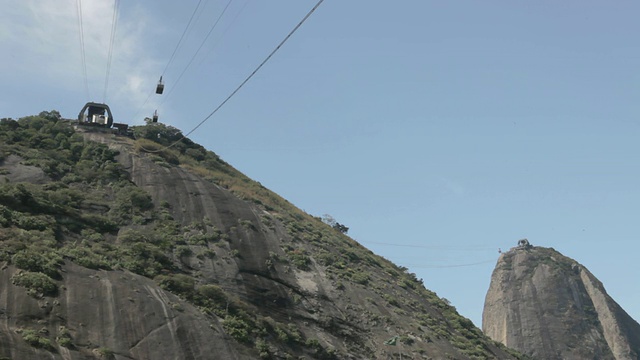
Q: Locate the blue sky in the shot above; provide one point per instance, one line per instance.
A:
(437, 131)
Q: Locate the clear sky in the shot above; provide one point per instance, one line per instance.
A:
(438, 131)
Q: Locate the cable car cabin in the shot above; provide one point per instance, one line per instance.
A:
(155, 117)
(95, 114)
(160, 87)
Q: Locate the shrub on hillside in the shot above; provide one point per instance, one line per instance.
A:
(36, 283)
(34, 260)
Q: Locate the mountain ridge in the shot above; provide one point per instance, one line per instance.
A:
(198, 243)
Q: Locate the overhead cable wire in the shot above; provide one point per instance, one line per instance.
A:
(114, 23)
(184, 32)
(82, 52)
(243, 82)
(449, 266)
(436, 247)
(143, 104)
(206, 2)
(215, 24)
(237, 15)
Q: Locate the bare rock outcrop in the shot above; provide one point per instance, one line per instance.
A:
(550, 307)
(14, 170)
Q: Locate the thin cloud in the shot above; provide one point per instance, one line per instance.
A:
(454, 187)
(41, 40)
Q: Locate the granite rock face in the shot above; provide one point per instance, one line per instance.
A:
(548, 306)
(280, 284)
(107, 314)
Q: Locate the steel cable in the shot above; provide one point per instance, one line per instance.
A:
(175, 50)
(184, 32)
(114, 23)
(83, 54)
(215, 24)
(243, 82)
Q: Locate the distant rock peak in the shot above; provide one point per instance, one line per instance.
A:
(548, 306)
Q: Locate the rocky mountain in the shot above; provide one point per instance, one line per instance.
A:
(550, 307)
(115, 248)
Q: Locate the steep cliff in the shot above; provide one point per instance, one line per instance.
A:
(123, 249)
(550, 307)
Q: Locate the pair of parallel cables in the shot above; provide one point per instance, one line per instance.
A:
(246, 80)
(114, 24)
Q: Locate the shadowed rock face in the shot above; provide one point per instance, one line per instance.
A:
(122, 312)
(550, 307)
(17, 172)
(313, 292)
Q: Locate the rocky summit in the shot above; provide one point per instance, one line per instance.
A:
(550, 307)
(152, 247)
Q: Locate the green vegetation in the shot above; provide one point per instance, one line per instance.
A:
(64, 338)
(92, 214)
(36, 339)
(64, 342)
(238, 328)
(37, 284)
(104, 352)
(298, 257)
(38, 260)
(87, 200)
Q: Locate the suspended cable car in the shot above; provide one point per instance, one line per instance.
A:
(160, 87)
(95, 114)
(155, 117)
